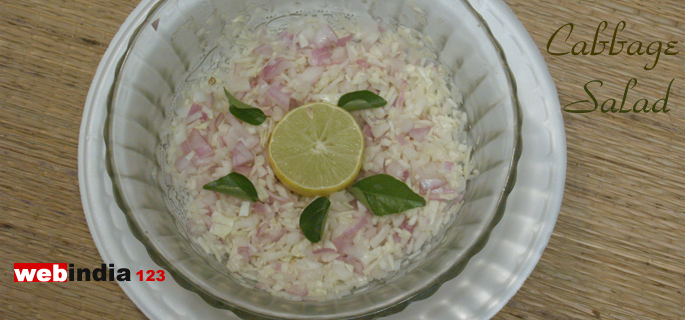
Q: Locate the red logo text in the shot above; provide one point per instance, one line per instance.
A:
(40, 272)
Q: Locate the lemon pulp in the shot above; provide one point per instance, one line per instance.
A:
(316, 149)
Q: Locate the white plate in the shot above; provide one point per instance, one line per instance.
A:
(491, 277)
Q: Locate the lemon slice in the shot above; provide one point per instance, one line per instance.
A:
(316, 149)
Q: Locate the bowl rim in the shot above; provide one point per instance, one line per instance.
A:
(384, 310)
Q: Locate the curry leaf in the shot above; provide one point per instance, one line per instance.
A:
(383, 195)
(242, 111)
(234, 184)
(359, 100)
(313, 219)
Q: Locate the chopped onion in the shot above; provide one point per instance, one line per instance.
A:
(268, 111)
(241, 155)
(381, 28)
(320, 57)
(368, 35)
(197, 143)
(201, 162)
(396, 238)
(249, 223)
(405, 225)
(430, 170)
(399, 102)
(323, 250)
(370, 233)
(250, 141)
(297, 290)
(445, 190)
(263, 50)
(278, 97)
(210, 101)
(354, 204)
(207, 219)
(363, 63)
(277, 113)
(209, 198)
(201, 181)
(286, 35)
(311, 75)
(342, 41)
(245, 252)
(200, 95)
(262, 229)
(219, 120)
(355, 262)
(306, 37)
(395, 169)
(380, 129)
(293, 104)
(344, 241)
(237, 127)
(341, 244)
(431, 184)
(400, 139)
(324, 37)
(185, 146)
(244, 170)
(278, 235)
(274, 68)
(358, 266)
(182, 163)
(339, 55)
(234, 135)
(195, 113)
(237, 84)
(261, 209)
(277, 197)
(367, 131)
(437, 197)
(244, 209)
(406, 125)
(419, 134)
(349, 233)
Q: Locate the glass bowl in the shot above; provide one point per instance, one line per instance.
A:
(178, 39)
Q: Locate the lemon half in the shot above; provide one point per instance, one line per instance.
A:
(316, 149)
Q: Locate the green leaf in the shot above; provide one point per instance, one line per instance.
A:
(251, 115)
(313, 219)
(383, 195)
(359, 100)
(234, 184)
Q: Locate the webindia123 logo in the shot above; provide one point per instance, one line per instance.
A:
(63, 272)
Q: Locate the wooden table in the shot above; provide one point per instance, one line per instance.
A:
(618, 249)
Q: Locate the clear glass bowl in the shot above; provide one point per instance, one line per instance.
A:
(177, 39)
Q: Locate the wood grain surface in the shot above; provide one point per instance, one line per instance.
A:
(617, 251)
